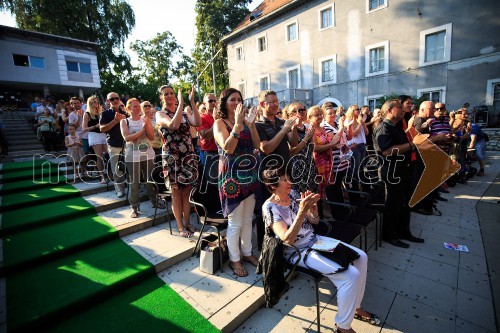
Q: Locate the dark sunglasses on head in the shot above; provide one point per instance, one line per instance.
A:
(146, 105)
(212, 101)
(112, 99)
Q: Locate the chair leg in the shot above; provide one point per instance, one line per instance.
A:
(198, 241)
(376, 234)
(317, 305)
(169, 216)
(366, 239)
(220, 252)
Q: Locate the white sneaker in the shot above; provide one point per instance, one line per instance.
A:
(120, 194)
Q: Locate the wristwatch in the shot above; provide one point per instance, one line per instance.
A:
(235, 135)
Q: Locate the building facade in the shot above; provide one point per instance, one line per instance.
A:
(355, 52)
(39, 64)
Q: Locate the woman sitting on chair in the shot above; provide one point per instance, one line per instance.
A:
(291, 215)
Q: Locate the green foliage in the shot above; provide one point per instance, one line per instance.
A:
(106, 22)
(214, 19)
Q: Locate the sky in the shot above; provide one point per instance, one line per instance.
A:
(152, 16)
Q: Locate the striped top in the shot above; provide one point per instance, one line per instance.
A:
(339, 162)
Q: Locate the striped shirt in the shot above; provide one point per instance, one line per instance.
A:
(339, 163)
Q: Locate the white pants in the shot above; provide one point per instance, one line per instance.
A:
(350, 283)
(240, 227)
(118, 176)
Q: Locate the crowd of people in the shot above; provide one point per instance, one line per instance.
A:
(267, 160)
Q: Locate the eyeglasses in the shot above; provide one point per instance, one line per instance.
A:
(279, 112)
(358, 109)
(146, 105)
(301, 110)
(95, 101)
(441, 108)
(112, 99)
(212, 101)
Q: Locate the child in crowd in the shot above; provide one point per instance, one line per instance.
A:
(75, 150)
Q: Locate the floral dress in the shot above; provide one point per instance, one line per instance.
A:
(323, 160)
(303, 167)
(180, 163)
(238, 172)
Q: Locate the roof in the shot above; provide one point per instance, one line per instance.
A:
(263, 12)
(13, 32)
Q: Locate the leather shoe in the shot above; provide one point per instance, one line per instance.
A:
(413, 239)
(440, 198)
(398, 243)
(423, 211)
(442, 190)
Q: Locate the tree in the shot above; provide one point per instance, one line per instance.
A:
(106, 22)
(214, 19)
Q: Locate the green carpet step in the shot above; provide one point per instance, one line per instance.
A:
(38, 196)
(60, 288)
(150, 306)
(36, 174)
(14, 167)
(55, 211)
(26, 249)
(28, 184)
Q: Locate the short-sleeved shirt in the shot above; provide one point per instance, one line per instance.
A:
(207, 121)
(267, 131)
(272, 212)
(387, 135)
(114, 136)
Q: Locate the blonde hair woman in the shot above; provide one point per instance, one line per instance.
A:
(97, 140)
(356, 122)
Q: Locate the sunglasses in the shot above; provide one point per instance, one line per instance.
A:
(442, 108)
(301, 110)
(112, 99)
(212, 101)
(147, 106)
(279, 112)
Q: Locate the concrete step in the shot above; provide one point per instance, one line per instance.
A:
(25, 154)
(25, 147)
(23, 140)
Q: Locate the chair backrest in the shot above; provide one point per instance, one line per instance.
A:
(207, 195)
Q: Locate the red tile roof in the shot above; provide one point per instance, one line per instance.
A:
(265, 8)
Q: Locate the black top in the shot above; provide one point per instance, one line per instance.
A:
(417, 123)
(267, 131)
(93, 122)
(114, 136)
(387, 135)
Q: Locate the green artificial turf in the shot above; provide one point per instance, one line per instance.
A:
(150, 306)
(87, 276)
(59, 210)
(38, 196)
(37, 174)
(27, 184)
(27, 248)
(16, 166)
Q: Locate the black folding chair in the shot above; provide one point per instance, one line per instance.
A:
(205, 199)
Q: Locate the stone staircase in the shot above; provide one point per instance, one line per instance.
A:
(21, 137)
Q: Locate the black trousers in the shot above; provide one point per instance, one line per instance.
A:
(396, 220)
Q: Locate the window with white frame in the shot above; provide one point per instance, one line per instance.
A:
(374, 5)
(292, 32)
(262, 43)
(239, 53)
(435, 45)
(328, 70)
(493, 93)
(373, 101)
(326, 17)
(264, 82)
(293, 77)
(435, 94)
(242, 87)
(28, 61)
(377, 59)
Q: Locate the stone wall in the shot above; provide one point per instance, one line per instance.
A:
(494, 135)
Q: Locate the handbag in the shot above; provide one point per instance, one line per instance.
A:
(342, 255)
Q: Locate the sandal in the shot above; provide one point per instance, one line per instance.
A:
(184, 233)
(134, 213)
(373, 319)
(240, 272)
(251, 259)
(192, 229)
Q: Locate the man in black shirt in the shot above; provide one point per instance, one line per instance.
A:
(110, 124)
(391, 143)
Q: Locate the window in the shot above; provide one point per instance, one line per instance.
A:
(82, 67)
(28, 61)
(377, 59)
(435, 45)
(293, 77)
(374, 5)
(373, 101)
(493, 93)
(496, 97)
(292, 32)
(436, 94)
(264, 82)
(239, 53)
(242, 87)
(326, 17)
(328, 70)
(262, 43)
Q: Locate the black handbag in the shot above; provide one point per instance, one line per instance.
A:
(342, 255)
